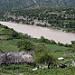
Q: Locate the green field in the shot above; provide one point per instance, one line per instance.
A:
(9, 40)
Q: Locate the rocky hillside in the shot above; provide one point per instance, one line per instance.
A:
(22, 4)
(15, 4)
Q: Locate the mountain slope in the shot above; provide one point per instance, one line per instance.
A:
(15, 4)
(22, 4)
(57, 3)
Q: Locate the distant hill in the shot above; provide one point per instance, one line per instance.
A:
(22, 4)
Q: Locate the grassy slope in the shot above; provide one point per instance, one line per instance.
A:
(8, 46)
(11, 45)
(27, 70)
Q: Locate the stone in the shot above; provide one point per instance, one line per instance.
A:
(16, 57)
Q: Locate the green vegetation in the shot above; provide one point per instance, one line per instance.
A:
(61, 19)
(42, 25)
(45, 51)
(27, 70)
(44, 55)
(6, 5)
(25, 45)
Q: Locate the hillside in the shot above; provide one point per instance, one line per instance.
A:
(37, 41)
(44, 48)
(15, 4)
(22, 4)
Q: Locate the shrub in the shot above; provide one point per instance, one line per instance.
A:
(68, 45)
(6, 27)
(42, 55)
(73, 46)
(40, 48)
(52, 42)
(44, 40)
(25, 45)
(14, 34)
(60, 44)
(24, 36)
(45, 57)
(42, 25)
(73, 42)
(32, 23)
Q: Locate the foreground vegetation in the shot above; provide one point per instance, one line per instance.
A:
(27, 70)
(44, 49)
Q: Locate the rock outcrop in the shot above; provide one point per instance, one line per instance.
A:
(16, 57)
(2, 58)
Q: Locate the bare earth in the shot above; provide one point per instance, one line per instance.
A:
(37, 32)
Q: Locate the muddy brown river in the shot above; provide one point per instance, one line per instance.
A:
(37, 32)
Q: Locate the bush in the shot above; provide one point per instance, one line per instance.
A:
(44, 40)
(42, 55)
(24, 36)
(32, 23)
(40, 48)
(6, 27)
(14, 34)
(60, 44)
(52, 42)
(45, 57)
(42, 25)
(68, 45)
(25, 45)
(73, 46)
(73, 42)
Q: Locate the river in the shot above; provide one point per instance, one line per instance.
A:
(37, 32)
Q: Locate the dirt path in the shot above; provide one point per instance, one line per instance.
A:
(37, 32)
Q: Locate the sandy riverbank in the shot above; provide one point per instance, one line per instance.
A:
(37, 32)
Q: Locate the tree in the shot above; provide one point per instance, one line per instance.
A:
(32, 23)
(42, 55)
(44, 40)
(14, 34)
(25, 45)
